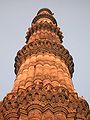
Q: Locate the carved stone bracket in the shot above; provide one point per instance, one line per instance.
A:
(44, 46)
(46, 98)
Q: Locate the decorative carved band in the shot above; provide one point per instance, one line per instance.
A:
(44, 46)
(45, 26)
(44, 16)
(55, 99)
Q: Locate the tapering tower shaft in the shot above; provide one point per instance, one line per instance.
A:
(43, 58)
(43, 88)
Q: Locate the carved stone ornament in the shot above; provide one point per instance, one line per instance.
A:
(43, 89)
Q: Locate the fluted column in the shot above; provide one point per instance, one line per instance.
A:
(45, 68)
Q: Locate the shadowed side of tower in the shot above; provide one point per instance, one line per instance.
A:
(43, 88)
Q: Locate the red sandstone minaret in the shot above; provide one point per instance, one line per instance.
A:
(43, 88)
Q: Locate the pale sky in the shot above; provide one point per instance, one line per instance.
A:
(73, 17)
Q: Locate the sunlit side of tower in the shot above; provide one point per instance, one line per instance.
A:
(43, 88)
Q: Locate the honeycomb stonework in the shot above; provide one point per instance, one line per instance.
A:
(43, 88)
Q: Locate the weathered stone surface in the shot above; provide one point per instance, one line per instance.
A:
(43, 89)
(44, 67)
(44, 47)
(40, 100)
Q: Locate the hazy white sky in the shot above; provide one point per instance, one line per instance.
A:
(73, 17)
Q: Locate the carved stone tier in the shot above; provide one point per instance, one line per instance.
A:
(44, 16)
(45, 68)
(43, 89)
(44, 30)
(44, 46)
(44, 102)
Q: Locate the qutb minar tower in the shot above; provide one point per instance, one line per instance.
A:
(43, 88)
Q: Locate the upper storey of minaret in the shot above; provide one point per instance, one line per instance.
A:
(44, 26)
(44, 37)
(44, 15)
